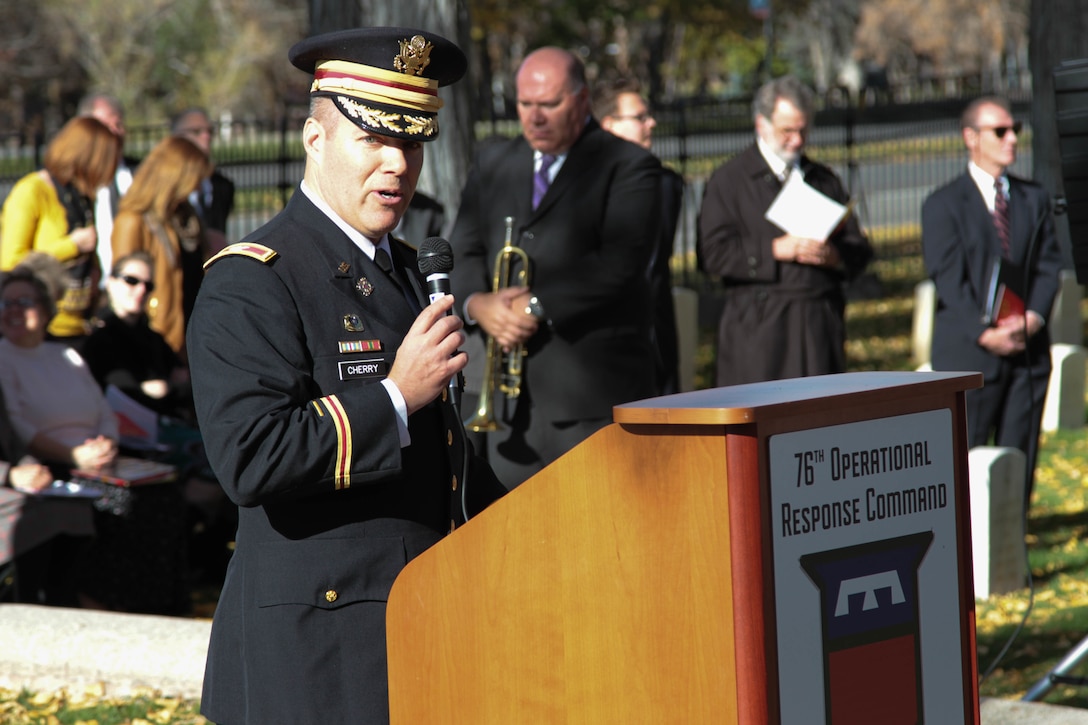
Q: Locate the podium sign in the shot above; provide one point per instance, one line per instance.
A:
(777, 553)
(867, 630)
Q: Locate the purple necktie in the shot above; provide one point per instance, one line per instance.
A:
(541, 180)
(1001, 217)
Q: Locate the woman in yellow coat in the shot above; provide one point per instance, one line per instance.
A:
(155, 217)
(51, 210)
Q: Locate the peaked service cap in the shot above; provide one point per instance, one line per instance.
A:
(384, 79)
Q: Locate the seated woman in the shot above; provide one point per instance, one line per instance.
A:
(137, 561)
(125, 352)
(43, 538)
(54, 403)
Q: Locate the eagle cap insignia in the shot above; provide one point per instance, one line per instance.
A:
(415, 55)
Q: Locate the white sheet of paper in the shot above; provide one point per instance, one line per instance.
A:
(801, 210)
(137, 420)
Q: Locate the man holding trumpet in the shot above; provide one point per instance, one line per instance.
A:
(586, 214)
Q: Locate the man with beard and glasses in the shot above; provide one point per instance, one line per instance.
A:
(784, 298)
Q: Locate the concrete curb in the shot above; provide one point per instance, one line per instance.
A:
(46, 648)
(1018, 712)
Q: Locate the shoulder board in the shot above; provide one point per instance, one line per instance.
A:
(245, 249)
(403, 243)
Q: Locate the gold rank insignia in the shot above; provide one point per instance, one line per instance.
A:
(364, 286)
(244, 249)
(352, 323)
(414, 57)
(347, 346)
(343, 268)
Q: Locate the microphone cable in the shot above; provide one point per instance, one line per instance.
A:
(434, 258)
(1033, 444)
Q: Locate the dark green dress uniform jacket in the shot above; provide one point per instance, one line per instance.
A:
(287, 349)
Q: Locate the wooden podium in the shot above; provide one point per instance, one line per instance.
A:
(787, 552)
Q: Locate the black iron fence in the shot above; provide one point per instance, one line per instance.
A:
(890, 158)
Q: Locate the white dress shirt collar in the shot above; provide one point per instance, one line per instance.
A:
(556, 165)
(985, 184)
(366, 245)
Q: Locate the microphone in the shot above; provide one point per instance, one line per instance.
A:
(435, 261)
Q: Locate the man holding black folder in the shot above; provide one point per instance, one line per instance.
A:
(987, 239)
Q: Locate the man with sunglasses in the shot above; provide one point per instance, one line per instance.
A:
(987, 222)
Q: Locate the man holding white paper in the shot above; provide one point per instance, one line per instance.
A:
(776, 227)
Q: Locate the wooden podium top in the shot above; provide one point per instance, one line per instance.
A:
(751, 403)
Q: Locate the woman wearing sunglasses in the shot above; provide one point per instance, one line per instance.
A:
(124, 351)
(155, 217)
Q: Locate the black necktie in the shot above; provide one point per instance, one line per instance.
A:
(1001, 217)
(383, 260)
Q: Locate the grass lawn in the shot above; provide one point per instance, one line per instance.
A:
(1058, 555)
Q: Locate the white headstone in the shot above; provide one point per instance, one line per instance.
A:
(925, 306)
(1066, 325)
(997, 519)
(1064, 406)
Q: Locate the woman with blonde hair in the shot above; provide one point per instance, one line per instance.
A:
(156, 217)
(51, 210)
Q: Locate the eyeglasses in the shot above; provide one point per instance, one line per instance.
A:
(1000, 131)
(198, 131)
(640, 117)
(18, 303)
(132, 281)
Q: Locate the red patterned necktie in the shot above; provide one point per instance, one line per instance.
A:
(1001, 217)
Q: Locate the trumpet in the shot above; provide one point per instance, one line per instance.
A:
(502, 370)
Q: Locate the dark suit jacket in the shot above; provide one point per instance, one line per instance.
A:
(214, 214)
(959, 244)
(666, 343)
(590, 242)
(780, 319)
(287, 356)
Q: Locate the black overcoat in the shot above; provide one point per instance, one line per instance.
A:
(779, 319)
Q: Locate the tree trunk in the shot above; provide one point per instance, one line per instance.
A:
(446, 160)
(329, 15)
